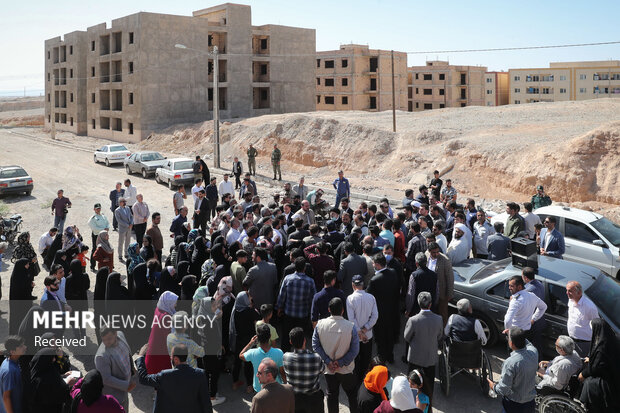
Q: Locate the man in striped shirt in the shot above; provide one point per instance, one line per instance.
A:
(303, 370)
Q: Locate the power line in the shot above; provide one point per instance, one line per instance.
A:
(500, 49)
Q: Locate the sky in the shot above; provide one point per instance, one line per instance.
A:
(407, 26)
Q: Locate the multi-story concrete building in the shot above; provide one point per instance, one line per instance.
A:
(496, 88)
(564, 81)
(358, 78)
(137, 80)
(441, 85)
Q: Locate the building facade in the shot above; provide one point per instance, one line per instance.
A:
(148, 71)
(496, 88)
(564, 81)
(358, 78)
(441, 85)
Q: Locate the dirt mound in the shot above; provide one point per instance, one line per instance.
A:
(35, 120)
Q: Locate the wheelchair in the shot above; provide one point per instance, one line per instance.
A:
(564, 401)
(464, 357)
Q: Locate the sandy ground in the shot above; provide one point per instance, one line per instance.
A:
(53, 167)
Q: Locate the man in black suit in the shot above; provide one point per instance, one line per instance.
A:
(237, 170)
(385, 287)
(299, 233)
(180, 389)
(115, 195)
(352, 265)
(333, 236)
(201, 211)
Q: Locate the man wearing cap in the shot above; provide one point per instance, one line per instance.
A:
(342, 187)
(97, 223)
(540, 199)
(422, 197)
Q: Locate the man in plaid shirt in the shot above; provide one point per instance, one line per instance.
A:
(295, 301)
(303, 370)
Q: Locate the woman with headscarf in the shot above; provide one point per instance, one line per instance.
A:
(24, 249)
(134, 257)
(114, 292)
(167, 281)
(182, 270)
(77, 285)
(226, 300)
(207, 270)
(402, 400)
(51, 251)
(182, 253)
(601, 372)
(104, 253)
(71, 241)
(371, 393)
(172, 257)
(62, 258)
(199, 255)
(189, 284)
(241, 330)
(101, 280)
(88, 398)
(157, 358)
(147, 251)
(142, 290)
(218, 252)
(20, 294)
(192, 235)
(49, 390)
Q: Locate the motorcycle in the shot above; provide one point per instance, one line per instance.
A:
(10, 227)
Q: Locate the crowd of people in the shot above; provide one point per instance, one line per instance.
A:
(290, 301)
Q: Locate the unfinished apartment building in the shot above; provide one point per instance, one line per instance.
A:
(149, 71)
(441, 85)
(496, 88)
(358, 78)
(564, 81)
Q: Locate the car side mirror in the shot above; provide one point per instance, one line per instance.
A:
(599, 243)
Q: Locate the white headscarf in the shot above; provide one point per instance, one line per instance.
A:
(402, 396)
(167, 301)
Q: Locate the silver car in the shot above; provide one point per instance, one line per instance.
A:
(175, 172)
(485, 284)
(144, 163)
(14, 179)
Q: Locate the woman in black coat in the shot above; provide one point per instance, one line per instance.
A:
(101, 280)
(167, 282)
(20, 293)
(61, 258)
(76, 289)
(142, 289)
(49, 390)
(51, 251)
(199, 255)
(189, 284)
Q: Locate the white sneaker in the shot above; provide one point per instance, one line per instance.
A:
(218, 400)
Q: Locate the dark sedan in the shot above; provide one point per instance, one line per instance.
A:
(144, 163)
(485, 284)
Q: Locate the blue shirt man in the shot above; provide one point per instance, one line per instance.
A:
(176, 227)
(342, 187)
(10, 376)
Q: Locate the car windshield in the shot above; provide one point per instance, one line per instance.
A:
(608, 229)
(13, 173)
(182, 165)
(489, 270)
(147, 157)
(117, 148)
(605, 294)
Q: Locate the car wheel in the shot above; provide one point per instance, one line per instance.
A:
(128, 169)
(107, 162)
(95, 158)
(490, 330)
(170, 185)
(157, 178)
(144, 173)
(28, 193)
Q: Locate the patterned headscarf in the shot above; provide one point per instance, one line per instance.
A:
(134, 255)
(167, 302)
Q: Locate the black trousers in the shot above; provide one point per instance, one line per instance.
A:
(535, 335)
(93, 237)
(289, 323)
(114, 221)
(213, 367)
(349, 383)
(513, 407)
(212, 205)
(248, 370)
(428, 376)
(310, 402)
(385, 344)
(363, 359)
(237, 181)
(140, 229)
(582, 347)
(201, 222)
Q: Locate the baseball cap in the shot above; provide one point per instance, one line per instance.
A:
(358, 279)
(97, 205)
(540, 188)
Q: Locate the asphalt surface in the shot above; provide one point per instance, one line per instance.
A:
(85, 183)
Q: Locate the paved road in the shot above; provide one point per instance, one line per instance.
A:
(85, 183)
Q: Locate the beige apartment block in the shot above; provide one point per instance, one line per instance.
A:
(441, 85)
(564, 81)
(136, 81)
(496, 88)
(358, 78)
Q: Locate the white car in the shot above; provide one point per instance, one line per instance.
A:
(110, 154)
(590, 238)
(175, 172)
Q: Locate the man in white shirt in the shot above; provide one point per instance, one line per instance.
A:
(531, 220)
(362, 311)
(482, 230)
(197, 188)
(458, 250)
(524, 309)
(226, 187)
(131, 192)
(581, 311)
(46, 240)
(233, 234)
(440, 238)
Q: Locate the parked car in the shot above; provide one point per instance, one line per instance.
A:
(485, 284)
(590, 238)
(145, 163)
(175, 172)
(110, 154)
(14, 179)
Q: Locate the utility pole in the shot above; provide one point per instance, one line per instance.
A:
(216, 108)
(393, 96)
(52, 104)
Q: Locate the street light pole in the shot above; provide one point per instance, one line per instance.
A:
(216, 108)
(52, 104)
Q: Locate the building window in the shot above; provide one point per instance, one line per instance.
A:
(92, 98)
(71, 98)
(442, 92)
(71, 121)
(71, 52)
(345, 63)
(489, 80)
(517, 78)
(130, 126)
(345, 100)
(329, 64)
(489, 92)
(442, 76)
(428, 91)
(130, 67)
(428, 106)
(582, 77)
(329, 100)
(263, 44)
(263, 69)
(517, 102)
(442, 105)
(318, 80)
(318, 98)
(562, 77)
(582, 90)
(428, 77)
(71, 73)
(416, 76)
(318, 62)
(562, 90)
(131, 98)
(417, 105)
(48, 55)
(92, 71)
(93, 123)
(417, 91)
(329, 82)
(92, 49)
(130, 37)
(345, 81)
(49, 97)
(48, 77)
(517, 90)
